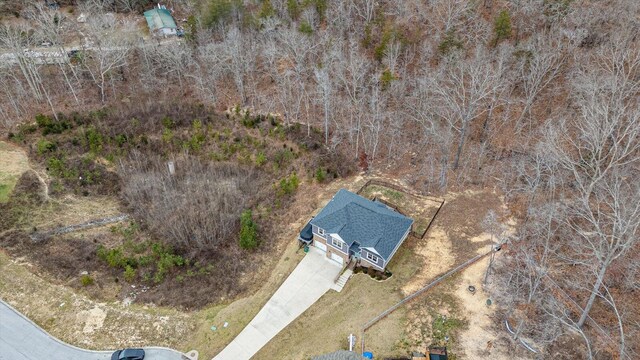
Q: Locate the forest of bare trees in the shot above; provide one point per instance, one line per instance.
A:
(540, 99)
(196, 207)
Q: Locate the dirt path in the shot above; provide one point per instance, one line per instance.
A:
(479, 339)
(13, 162)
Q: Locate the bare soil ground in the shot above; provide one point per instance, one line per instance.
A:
(456, 236)
(13, 162)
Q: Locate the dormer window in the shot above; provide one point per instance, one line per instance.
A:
(320, 231)
(372, 258)
(336, 242)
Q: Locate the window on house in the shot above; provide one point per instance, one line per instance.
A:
(320, 231)
(372, 257)
(336, 243)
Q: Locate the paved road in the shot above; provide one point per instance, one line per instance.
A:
(21, 339)
(313, 277)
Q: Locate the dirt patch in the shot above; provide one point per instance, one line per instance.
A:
(435, 253)
(479, 340)
(457, 235)
(13, 162)
(462, 218)
(93, 319)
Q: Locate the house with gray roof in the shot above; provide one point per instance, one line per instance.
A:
(351, 227)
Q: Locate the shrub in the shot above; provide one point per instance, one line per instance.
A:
(267, 10)
(167, 135)
(195, 143)
(165, 260)
(261, 158)
(380, 50)
(113, 257)
(120, 139)
(288, 185)
(293, 8)
(129, 273)
(320, 175)
(51, 126)
(56, 166)
(219, 11)
(502, 26)
(321, 8)
(45, 146)
(386, 78)
(248, 231)
(251, 121)
(43, 120)
(450, 43)
(192, 29)
(86, 280)
(168, 123)
(95, 140)
(305, 28)
(284, 156)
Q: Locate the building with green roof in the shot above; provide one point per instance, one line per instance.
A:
(160, 21)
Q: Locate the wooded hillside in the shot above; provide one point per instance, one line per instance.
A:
(539, 99)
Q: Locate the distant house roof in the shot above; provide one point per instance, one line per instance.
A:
(159, 19)
(369, 223)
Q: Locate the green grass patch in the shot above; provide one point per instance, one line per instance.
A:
(7, 183)
(86, 280)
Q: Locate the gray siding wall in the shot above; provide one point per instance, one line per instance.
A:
(400, 243)
(344, 248)
(379, 264)
(314, 230)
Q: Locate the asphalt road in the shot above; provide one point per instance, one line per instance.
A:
(21, 339)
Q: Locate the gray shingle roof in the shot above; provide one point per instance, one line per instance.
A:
(370, 223)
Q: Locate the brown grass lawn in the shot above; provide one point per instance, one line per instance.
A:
(238, 313)
(420, 208)
(327, 324)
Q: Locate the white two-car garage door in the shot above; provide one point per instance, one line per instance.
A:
(320, 245)
(338, 258)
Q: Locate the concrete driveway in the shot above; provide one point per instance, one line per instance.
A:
(313, 277)
(21, 339)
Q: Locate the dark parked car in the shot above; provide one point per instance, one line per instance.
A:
(128, 354)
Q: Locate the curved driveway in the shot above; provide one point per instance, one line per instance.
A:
(21, 339)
